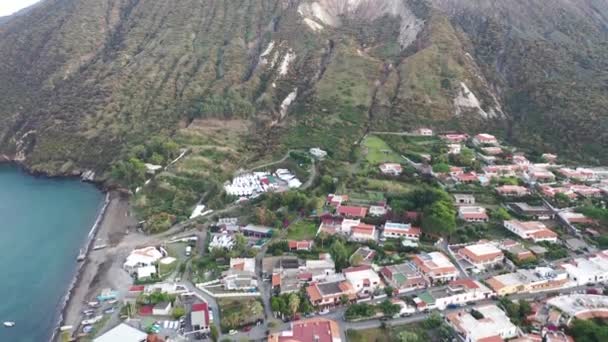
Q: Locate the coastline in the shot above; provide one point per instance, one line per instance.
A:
(77, 276)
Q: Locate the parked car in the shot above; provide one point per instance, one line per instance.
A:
(233, 332)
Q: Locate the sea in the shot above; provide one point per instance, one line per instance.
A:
(43, 224)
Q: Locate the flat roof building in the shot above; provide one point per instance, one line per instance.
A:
(436, 266)
(403, 277)
(482, 255)
(524, 281)
(531, 230)
(493, 323)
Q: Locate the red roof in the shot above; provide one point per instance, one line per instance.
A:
(276, 280)
(352, 211)
(146, 310)
(466, 282)
(201, 307)
(137, 288)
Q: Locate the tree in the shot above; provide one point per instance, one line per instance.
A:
(131, 173)
(439, 218)
(433, 321)
(500, 214)
(294, 303)
(343, 299)
(340, 254)
(178, 312)
(408, 336)
(441, 168)
(214, 333)
(389, 309)
(390, 291)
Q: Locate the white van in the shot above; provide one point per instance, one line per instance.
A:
(188, 251)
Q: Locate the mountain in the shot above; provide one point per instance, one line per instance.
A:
(84, 81)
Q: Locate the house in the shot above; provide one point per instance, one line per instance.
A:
(257, 231)
(318, 153)
(330, 225)
(336, 200)
(538, 176)
(540, 212)
(146, 272)
(455, 137)
(352, 211)
(472, 214)
(309, 330)
(391, 169)
(549, 158)
(457, 292)
(319, 270)
(572, 217)
(481, 255)
(330, 293)
(347, 225)
(464, 199)
(519, 159)
(363, 278)
(122, 333)
(585, 191)
(580, 174)
(512, 191)
(485, 139)
(162, 309)
(200, 317)
(491, 325)
(526, 281)
(238, 280)
(304, 245)
(454, 148)
(403, 277)
(367, 255)
(393, 230)
(497, 171)
(515, 249)
(588, 270)
(377, 210)
(363, 232)
(243, 264)
(466, 178)
(427, 132)
(531, 230)
(147, 256)
(221, 241)
(436, 266)
(550, 191)
(492, 150)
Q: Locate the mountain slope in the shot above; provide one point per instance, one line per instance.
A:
(83, 81)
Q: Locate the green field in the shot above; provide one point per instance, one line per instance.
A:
(302, 230)
(377, 151)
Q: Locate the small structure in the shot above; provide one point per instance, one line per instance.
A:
(303, 245)
(363, 278)
(318, 153)
(473, 214)
(146, 272)
(436, 266)
(403, 277)
(391, 169)
(364, 232)
(243, 264)
(330, 293)
(481, 255)
(367, 255)
(531, 230)
(162, 309)
(456, 293)
(200, 317)
(464, 199)
(512, 191)
(352, 211)
(142, 257)
(525, 281)
(455, 137)
(309, 330)
(377, 210)
(393, 230)
(485, 139)
(122, 333)
(549, 158)
(491, 325)
(257, 231)
(336, 200)
(540, 212)
(425, 132)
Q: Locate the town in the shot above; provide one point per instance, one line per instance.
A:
(439, 237)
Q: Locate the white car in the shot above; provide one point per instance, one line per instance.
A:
(233, 332)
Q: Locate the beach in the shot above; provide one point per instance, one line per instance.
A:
(102, 267)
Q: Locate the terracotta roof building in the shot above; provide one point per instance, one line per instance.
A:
(435, 266)
(482, 255)
(309, 330)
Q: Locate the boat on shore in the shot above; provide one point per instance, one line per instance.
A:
(81, 255)
(9, 324)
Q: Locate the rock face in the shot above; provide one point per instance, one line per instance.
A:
(85, 80)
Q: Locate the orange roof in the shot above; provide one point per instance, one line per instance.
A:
(491, 339)
(494, 284)
(479, 257)
(313, 293)
(276, 279)
(466, 282)
(544, 233)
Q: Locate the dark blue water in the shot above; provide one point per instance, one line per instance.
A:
(43, 224)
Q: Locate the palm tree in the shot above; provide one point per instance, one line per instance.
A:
(294, 304)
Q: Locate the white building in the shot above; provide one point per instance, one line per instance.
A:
(454, 148)
(482, 255)
(485, 139)
(318, 153)
(532, 230)
(494, 324)
(457, 292)
(122, 333)
(162, 309)
(363, 278)
(221, 241)
(472, 214)
(347, 225)
(590, 270)
(436, 266)
(377, 210)
(393, 230)
(392, 169)
(243, 264)
(143, 257)
(320, 269)
(146, 272)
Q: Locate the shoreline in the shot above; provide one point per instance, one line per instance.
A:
(81, 265)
